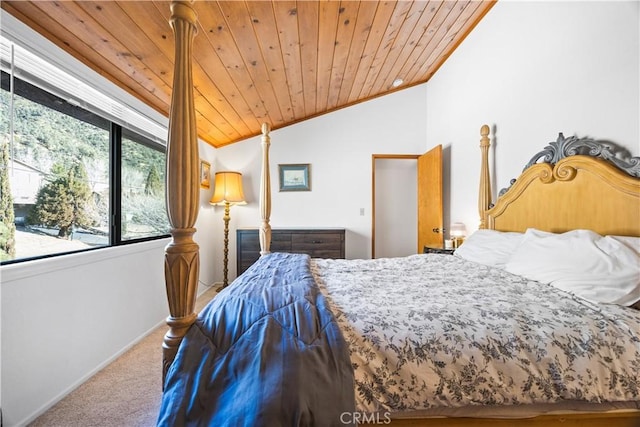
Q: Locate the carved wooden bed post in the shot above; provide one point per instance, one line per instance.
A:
(484, 196)
(265, 193)
(182, 259)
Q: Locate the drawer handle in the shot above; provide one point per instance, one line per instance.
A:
(316, 241)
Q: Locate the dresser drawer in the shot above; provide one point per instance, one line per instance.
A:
(318, 245)
(280, 242)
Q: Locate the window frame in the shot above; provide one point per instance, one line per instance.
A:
(116, 131)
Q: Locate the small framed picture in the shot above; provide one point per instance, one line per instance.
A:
(295, 177)
(205, 174)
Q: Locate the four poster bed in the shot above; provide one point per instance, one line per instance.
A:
(511, 330)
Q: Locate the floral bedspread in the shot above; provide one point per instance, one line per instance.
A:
(434, 330)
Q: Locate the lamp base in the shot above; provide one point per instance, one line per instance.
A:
(457, 241)
(226, 219)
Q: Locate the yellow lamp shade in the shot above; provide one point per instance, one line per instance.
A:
(228, 189)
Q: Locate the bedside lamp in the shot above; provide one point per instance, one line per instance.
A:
(458, 233)
(227, 191)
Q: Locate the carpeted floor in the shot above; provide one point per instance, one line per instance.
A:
(125, 394)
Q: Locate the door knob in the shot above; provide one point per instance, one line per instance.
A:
(436, 230)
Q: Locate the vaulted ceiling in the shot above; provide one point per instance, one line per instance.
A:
(260, 61)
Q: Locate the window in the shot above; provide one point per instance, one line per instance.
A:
(71, 179)
(144, 212)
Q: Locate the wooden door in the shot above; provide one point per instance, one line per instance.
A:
(430, 221)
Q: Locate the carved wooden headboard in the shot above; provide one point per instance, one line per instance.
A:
(580, 184)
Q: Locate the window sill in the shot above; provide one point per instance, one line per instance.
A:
(43, 266)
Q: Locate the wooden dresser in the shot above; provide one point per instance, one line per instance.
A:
(316, 242)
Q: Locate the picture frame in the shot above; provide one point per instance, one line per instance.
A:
(205, 174)
(295, 177)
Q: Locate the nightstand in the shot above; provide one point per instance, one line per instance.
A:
(437, 250)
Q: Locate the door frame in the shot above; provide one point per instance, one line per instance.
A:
(375, 157)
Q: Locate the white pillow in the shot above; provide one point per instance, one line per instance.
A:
(582, 262)
(489, 247)
(632, 242)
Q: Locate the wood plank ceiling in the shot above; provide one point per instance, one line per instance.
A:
(259, 61)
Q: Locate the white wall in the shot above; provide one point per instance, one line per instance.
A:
(64, 318)
(339, 147)
(206, 226)
(531, 70)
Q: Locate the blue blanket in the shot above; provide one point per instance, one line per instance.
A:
(265, 352)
